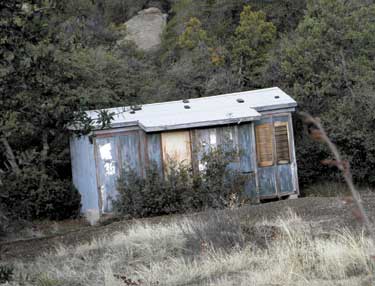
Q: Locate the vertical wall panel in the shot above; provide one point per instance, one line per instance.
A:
(285, 178)
(84, 171)
(293, 155)
(245, 142)
(227, 137)
(204, 140)
(154, 150)
(284, 174)
(267, 181)
(251, 186)
(129, 148)
(107, 170)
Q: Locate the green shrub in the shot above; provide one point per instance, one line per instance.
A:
(181, 189)
(22, 197)
(6, 273)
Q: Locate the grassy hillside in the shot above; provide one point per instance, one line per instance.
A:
(265, 245)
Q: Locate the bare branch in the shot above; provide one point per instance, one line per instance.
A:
(320, 135)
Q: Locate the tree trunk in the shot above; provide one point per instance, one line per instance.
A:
(43, 158)
(10, 155)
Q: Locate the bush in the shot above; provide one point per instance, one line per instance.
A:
(6, 273)
(181, 189)
(22, 198)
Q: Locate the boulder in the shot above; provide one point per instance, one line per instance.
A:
(145, 29)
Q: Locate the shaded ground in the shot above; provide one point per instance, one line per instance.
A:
(326, 213)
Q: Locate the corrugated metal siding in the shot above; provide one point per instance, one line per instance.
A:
(84, 172)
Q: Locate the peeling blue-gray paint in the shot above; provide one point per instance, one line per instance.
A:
(154, 150)
(245, 145)
(285, 179)
(129, 148)
(84, 171)
(250, 186)
(107, 170)
(97, 166)
(267, 181)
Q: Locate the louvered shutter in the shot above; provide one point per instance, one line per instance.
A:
(282, 142)
(264, 144)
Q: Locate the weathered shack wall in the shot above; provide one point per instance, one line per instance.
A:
(84, 171)
(97, 166)
(240, 137)
(278, 179)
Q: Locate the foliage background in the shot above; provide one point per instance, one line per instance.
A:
(57, 57)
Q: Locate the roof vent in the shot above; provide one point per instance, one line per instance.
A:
(185, 101)
(276, 96)
(136, 107)
(187, 106)
(240, 100)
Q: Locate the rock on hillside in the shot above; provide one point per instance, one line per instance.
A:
(145, 29)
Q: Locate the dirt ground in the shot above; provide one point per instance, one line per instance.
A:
(327, 213)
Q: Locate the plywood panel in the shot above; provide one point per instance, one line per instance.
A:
(107, 171)
(176, 147)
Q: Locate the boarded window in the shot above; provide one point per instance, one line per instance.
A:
(264, 144)
(282, 142)
(176, 147)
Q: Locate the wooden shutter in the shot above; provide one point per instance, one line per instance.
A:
(263, 134)
(282, 142)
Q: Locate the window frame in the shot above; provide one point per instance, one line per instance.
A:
(273, 141)
(286, 124)
(264, 163)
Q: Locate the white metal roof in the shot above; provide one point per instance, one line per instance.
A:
(203, 111)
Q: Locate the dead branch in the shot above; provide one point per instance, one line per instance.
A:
(319, 134)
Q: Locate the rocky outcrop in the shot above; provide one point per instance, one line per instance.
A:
(145, 28)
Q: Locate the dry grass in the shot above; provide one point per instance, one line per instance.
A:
(213, 251)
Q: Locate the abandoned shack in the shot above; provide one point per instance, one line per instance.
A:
(258, 122)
